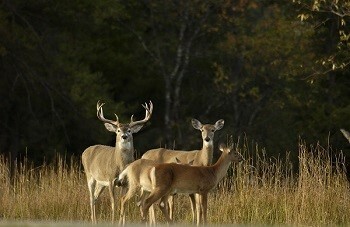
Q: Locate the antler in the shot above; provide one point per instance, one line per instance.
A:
(346, 134)
(149, 110)
(101, 117)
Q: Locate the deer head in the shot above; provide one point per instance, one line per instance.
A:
(124, 131)
(208, 130)
(234, 156)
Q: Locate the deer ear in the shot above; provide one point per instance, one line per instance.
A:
(196, 124)
(110, 127)
(219, 124)
(222, 147)
(136, 128)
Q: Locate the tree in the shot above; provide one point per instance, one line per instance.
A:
(168, 33)
(331, 18)
(44, 84)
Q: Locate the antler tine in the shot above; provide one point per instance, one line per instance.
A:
(231, 143)
(149, 110)
(117, 118)
(99, 104)
(100, 114)
(346, 134)
(99, 108)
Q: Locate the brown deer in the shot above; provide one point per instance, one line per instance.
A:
(169, 178)
(137, 175)
(202, 157)
(102, 164)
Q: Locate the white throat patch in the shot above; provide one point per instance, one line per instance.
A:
(124, 144)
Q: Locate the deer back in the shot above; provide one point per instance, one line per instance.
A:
(162, 155)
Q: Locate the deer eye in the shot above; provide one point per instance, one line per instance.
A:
(129, 130)
(118, 130)
(212, 130)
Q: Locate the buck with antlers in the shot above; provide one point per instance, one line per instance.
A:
(169, 178)
(201, 157)
(102, 164)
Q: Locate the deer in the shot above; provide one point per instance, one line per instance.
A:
(137, 175)
(202, 157)
(169, 178)
(102, 164)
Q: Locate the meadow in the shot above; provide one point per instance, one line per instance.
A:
(260, 190)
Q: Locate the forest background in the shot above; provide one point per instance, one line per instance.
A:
(275, 71)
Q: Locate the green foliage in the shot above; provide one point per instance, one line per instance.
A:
(252, 63)
(331, 19)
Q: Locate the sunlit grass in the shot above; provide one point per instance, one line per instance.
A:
(259, 190)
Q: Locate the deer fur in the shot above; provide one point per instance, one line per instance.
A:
(169, 178)
(102, 164)
(137, 175)
(202, 157)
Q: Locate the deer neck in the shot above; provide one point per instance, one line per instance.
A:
(206, 154)
(124, 152)
(221, 167)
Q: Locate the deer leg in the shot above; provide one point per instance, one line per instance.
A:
(193, 207)
(122, 204)
(140, 203)
(155, 195)
(152, 217)
(163, 208)
(171, 200)
(98, 190)
(198, 199)
(125, 197)
(111, 195)
(91, 185)
(204, 204)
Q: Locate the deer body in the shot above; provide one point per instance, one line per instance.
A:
(170, 178)
(138, 175)
(102, 164)
(111, 160)
(201, 157)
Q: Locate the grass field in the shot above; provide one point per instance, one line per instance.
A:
(259, 191)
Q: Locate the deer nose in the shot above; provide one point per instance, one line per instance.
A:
(207, 139)
(124, 137)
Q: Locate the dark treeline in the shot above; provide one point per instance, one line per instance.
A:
(276, 71)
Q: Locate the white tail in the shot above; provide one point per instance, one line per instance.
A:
(138, 175)
(170, 178)
(201, 157)
(102, 164)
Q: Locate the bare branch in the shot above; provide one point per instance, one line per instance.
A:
(180, 47)
(140, 38)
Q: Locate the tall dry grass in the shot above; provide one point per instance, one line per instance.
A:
(260, 190)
